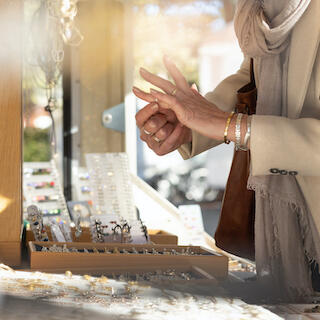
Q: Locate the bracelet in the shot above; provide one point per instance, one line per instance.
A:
(226, 140)
(244, 147)
(238, 131)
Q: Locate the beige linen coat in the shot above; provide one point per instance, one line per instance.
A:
(292, 143)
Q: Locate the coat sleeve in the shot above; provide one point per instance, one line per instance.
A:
(224, 96)
(290, 145)
(285, 144)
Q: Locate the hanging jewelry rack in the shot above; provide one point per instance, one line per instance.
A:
(52, 27)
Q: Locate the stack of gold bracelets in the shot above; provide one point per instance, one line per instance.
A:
(238, 145)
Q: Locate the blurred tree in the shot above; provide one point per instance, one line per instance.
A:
(36, 146)
(38, 69)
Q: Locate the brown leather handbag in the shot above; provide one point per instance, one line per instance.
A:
(235, 232)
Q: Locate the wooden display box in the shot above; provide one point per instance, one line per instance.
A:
(103, 263)
(156, 236)
(162, 237)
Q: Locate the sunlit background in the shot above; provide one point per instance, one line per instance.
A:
(198, 36)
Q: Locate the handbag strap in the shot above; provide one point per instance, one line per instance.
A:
(247, 95)
(252, 77)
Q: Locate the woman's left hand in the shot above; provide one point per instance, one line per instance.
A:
(190, 107)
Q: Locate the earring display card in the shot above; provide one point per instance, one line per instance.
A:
(162, 237)
(110, 228)
(80, 210)
(35, 219)
(110, 184)
(42, 187)
(192, 219)
(82, 186)
(56, 232)
(98, 258)
(60, 231)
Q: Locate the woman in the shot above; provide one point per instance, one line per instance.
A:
(283, 38)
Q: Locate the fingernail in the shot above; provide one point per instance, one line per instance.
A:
(143, 70)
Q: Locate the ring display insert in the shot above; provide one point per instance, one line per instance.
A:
(103, 258)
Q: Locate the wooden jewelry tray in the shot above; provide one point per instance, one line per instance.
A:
(96, 260)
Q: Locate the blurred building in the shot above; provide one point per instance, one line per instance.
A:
(219, 57)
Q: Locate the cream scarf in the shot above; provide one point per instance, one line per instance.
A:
(284, 230)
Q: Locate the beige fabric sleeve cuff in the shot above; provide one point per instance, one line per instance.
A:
(198, 145)
(285, 144)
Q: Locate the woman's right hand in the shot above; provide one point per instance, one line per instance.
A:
(159, 127)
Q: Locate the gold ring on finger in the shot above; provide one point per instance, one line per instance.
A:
(156, 139)
(174, 91)
(146, 132)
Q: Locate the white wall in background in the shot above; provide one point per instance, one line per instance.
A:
(219, 58)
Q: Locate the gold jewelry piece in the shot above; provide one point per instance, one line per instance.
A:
(156, 139)
(115, 250)
(68, 274)
(226, 140)
(174, 91)
(146, 132)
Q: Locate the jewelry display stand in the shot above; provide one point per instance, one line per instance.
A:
(42, 187)
(162, 237)
(96, 258)
(111, 184)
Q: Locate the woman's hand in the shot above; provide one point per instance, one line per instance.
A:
(190, 108)
(159, 127)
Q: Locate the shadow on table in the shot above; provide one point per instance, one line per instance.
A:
(18, 308)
